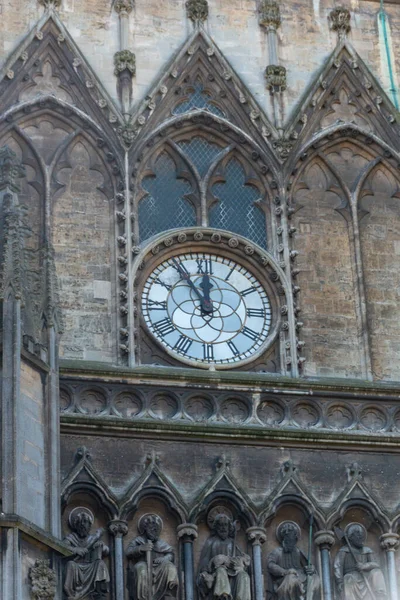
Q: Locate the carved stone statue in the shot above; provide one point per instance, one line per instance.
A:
(223, 568)
(289, 576)
(86, 575)
(357, 573)
(151, 559)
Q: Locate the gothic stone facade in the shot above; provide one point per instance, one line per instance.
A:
(138, 136)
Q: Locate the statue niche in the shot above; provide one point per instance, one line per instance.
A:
(290, 576)
(86, 575)
(151, 560)
(223, 567)
(357, 572)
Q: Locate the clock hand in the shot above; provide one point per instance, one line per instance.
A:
(206, 307)
(206, 286)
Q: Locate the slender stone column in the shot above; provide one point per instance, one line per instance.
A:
(325, 541)
(257, 536)
(124, 60)
(187, 533)
(390, 543)
(118, 529)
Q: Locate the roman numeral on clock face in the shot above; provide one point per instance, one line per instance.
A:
(208, 352)
(253, 335)
(183, 344)
(233, 348)
(247, 291)
(204, 266)
(164, 327)
(160, 282)
(156, 305)
(255, 312)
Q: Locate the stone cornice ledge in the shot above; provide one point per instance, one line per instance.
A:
(33, 531)
(266, 382)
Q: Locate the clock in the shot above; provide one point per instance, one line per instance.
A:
(205, 308)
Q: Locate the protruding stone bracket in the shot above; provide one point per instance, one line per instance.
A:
(275, 77)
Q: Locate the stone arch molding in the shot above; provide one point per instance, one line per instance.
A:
(223, 488)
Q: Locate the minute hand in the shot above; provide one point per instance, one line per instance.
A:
(204, 305)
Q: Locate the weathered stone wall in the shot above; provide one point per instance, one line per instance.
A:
(158, 29)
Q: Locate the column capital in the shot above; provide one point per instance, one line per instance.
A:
(269, 15)
(256, 535)
(187, 532)
(324, 539)
(389, 541)
(123, 6)
(118, 528)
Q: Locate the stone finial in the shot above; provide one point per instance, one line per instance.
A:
(275, 77)
(124, 60)
(50, 3)
(324, 539)
(10, 170)
(340, 21)
(123, 6)
(43, 581)
(257, 536)
(269, 14)
(197, 10)
(389, 541)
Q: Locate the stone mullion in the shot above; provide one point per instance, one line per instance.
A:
(130, 289)
(187, 534)
(390, 543)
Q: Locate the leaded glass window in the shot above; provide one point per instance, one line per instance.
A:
(201, 153)
(236, 208)
(198, 99)
(165, 205)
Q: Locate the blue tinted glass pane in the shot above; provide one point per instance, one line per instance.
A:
(199, 99)
(235, 210)
(201, 153)
(165, 207)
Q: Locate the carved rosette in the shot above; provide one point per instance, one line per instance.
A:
(187, 532)
(123, 6)
(275, 77)
(118, 528)
(324, 539)
(340, 21)
(197, 10)
(43, 581)
(257, 536)
(389, 542)
(124, 60)
(269, 15)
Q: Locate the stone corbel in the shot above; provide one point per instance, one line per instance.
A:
(197, 11)
(340, 22)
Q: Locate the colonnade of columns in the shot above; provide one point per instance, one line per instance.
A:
(187, 534)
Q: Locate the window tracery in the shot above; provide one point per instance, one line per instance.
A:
(199, 179)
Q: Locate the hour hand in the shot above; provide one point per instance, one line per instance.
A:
(206, 286)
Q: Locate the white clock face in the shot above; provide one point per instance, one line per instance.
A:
(206, 309)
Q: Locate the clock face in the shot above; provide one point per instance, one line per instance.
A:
(206, 308)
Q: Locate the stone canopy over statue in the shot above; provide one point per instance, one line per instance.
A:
(223, 567)
(151, 563)
(86, 576)
(357, 572)
(290, 576)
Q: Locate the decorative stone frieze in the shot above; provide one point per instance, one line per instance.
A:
(43, 581)
(124, 60)
(123, 6)
(269, 15)
(340, 21)
(197, 10)
(275, 76)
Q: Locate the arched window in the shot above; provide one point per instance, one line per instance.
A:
(200, 180)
